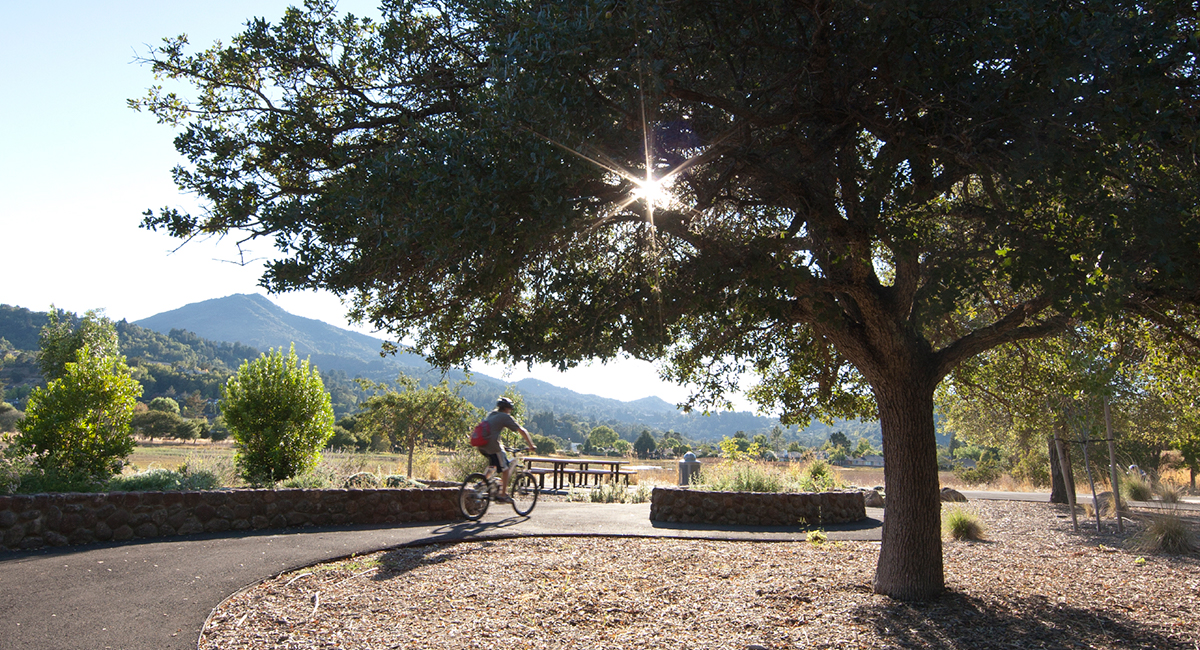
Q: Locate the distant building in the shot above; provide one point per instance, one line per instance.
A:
(865, 461)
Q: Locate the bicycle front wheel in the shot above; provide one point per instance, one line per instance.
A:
(473, 497)
(524, 493)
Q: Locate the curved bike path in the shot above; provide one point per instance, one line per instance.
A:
(156, 594)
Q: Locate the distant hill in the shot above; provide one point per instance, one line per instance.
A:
(193, 347)
(255, 321)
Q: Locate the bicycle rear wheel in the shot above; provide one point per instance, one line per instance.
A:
(524, 493)
(473, 497)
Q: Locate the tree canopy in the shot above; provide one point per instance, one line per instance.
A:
(846, 199)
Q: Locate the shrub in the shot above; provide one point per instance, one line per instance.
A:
(465, 461)
(984, 472)
(165, 480)
(816, 537)
(39, 480)
(401, 481)
(543, 445)
(10, 475)
(280, 415)
(361, 480)
(741, 477)
(9, 417)
(611, 493)
(78, 424)
(817, 476)
(309, 481)
(1164, 533)
(1137, 488)
(962, 525)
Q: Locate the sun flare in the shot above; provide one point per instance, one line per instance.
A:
(653, 192)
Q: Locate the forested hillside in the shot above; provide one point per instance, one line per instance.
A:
(171, 359)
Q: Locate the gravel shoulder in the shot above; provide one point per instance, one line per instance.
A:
(1033, 583)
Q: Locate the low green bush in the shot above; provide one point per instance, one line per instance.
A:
(401, 481)
(983, 473)
(817, 476)
(308, 481)
(10, 475)
(35, 480)
(362, 481)
(1168, 493)
(165, 480)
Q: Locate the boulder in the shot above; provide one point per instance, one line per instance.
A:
(873, 499)
(950, 494)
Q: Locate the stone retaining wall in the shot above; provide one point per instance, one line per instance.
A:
(33, 521)
(680, 505)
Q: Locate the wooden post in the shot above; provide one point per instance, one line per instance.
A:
(1063, 465)
(1112, 467)
(1083, 440)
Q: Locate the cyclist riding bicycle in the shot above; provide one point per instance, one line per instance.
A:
(499, 420)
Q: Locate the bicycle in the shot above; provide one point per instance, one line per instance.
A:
(477, 492)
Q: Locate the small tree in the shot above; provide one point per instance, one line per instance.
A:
(164, 404)
(400, 420)
(544, 445)
(280, 416)
(645, 444)
(79, 423)
(601, 438)
(156, 423)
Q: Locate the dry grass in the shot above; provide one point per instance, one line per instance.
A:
(1033, 584)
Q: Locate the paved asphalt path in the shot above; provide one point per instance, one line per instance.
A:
(155, 595)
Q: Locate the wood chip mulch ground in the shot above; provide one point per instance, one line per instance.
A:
(1032, 583)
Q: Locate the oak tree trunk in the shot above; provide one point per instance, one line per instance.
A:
(910, 559)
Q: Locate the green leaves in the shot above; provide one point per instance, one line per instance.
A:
(856, 188)
(79, 423)
(280, 415)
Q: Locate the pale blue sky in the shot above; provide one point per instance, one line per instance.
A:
(77, 169)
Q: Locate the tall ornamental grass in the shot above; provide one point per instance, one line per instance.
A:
(741, 476)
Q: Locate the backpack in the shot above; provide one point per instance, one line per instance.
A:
(479, 435)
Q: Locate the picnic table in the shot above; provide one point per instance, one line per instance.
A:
(576, 471)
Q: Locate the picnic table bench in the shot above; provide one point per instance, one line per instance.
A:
(576, 471)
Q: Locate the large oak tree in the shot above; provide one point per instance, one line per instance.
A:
(848, 199)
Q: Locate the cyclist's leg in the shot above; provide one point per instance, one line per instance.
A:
(493, 464)
(506, 470)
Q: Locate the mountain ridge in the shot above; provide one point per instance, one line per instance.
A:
(252, 320)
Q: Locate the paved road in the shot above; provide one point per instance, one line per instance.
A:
(156, 595)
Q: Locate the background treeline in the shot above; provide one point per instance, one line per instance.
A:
(191, 370)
